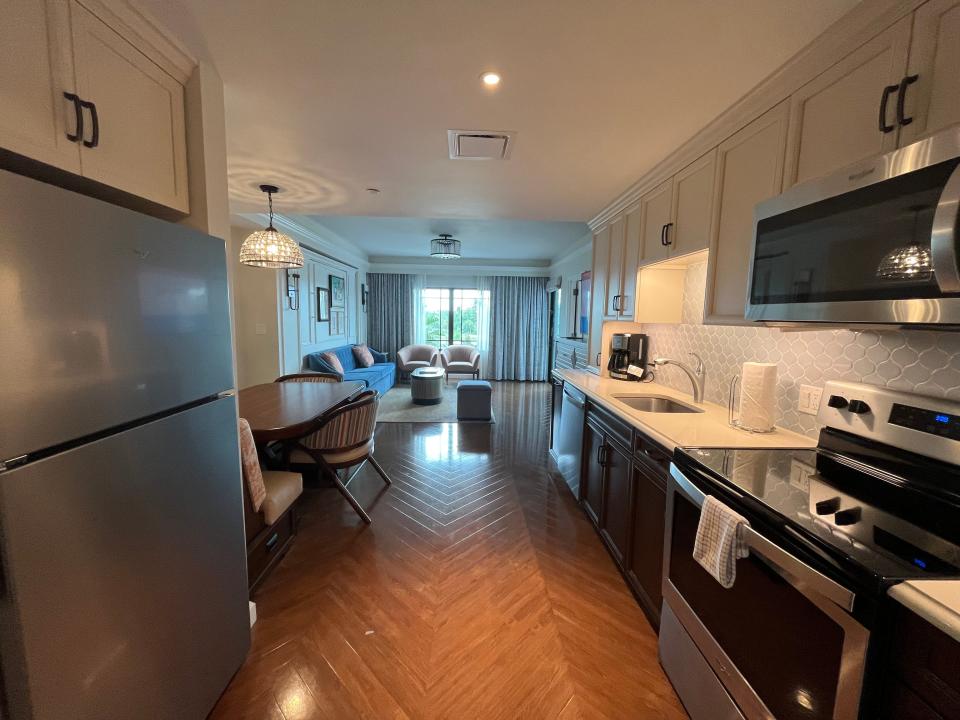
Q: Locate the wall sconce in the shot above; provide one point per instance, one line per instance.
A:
(364, 296)
(293, 290)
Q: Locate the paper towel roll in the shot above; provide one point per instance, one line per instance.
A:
(758, 396)
(750, 469)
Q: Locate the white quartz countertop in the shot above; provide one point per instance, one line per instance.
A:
(705, 429)
(936, 601)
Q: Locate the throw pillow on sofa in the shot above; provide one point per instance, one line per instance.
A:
(333, 361)
(363, 355)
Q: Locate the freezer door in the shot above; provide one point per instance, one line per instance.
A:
(106, 316)
(124, 573)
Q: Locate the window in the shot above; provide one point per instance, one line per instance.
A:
(451, 316)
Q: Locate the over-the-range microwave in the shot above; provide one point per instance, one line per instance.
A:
(874, 244)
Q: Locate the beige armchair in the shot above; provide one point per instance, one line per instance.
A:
(412, 357)
(461, 360)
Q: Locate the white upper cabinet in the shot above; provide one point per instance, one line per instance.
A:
(692, 206)
(598, 284)
(931, 91)
(35, 72)
(613, 292)
(750, 170)
(632, 253)
(848, 112)
(76, 95)
(136, 139)
(656, 208)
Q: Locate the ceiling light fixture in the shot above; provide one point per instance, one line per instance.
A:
(490, 78)
(270, 248)
(908, 262)
(445, 247)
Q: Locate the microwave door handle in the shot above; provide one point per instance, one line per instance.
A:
(943, 239)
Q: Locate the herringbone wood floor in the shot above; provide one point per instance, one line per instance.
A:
(479, 591)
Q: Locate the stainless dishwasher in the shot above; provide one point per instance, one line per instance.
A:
(569, 442)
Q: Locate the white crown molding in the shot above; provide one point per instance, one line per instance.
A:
(137, 25)
(414, 265)
(864, 22)
(316, 238)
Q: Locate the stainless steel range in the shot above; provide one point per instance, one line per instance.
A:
(797, 637)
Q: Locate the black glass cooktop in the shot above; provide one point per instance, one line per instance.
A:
(890, 525)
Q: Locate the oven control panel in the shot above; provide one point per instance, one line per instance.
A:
(926, 425)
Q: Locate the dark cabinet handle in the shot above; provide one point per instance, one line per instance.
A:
(902, 99)
(95, 134)
(598, 360)
(884, 128)
(663, 233)
(666, 234)
(78, 113)
(269, 544)
(602, 455)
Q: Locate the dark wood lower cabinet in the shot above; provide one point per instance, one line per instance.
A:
(646, 551)
(591, 476)
(617, 512)
(624, 495)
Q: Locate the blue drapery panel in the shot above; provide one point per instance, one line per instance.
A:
(390, 312)
(518, 329)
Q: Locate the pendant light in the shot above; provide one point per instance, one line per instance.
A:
(445, 247)
(270, 248)
(907, 262)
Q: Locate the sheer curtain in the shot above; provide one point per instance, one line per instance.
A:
(419, 317)
(518, 330)
(484, 285)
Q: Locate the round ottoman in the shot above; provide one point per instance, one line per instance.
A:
(426, 386)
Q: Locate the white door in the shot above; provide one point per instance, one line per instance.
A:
(614, 269)
(836, 118)
(632, 251)
(750, 169)
(656, 208)
(693, 206)
(35, 71)
(932, 101)
(137, 109)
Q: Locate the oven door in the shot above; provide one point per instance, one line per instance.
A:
(782, 639)
(876, 243)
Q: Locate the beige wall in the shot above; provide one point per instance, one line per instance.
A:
(255, 293)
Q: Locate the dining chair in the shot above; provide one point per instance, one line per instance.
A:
(340, 441)
(319, 377)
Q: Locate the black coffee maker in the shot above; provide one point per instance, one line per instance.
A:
(627, 349)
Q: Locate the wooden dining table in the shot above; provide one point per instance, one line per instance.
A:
(287, 410)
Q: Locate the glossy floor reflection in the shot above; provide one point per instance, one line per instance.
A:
(479, 591)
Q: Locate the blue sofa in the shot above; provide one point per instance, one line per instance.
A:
(381, 376)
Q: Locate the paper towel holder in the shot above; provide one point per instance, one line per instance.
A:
(732, 419)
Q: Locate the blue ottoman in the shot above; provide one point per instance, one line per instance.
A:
(474, 400)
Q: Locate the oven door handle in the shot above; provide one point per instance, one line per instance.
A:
(943, 239)
(780, 560)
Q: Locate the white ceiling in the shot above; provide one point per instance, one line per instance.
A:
(326, 98)
(382, 237)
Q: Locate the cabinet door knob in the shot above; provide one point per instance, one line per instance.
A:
(95, 118)
(78, 114)
(902, 99)
(884, 98)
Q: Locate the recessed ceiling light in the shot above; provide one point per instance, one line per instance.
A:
(490, 79)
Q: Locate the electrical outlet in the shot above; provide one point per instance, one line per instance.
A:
(809, 399)
(800, 474)
(259, 329)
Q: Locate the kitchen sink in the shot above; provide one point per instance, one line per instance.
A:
(656, 404)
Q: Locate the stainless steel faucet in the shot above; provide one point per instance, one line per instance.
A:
(696, 374)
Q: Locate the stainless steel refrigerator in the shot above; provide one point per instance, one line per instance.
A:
(122, 554)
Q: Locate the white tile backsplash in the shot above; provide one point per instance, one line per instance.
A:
(926, 362)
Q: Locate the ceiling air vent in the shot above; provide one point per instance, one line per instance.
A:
(479, 144)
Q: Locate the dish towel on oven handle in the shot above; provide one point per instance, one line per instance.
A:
(720, 541)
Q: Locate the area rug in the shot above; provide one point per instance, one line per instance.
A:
(396, 406)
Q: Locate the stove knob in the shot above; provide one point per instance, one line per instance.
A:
(837, 401)
(827, 507)
(858, 407)
(848, 516)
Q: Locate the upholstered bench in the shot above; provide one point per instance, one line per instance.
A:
(474, 400)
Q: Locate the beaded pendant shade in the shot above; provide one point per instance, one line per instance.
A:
(908, 262)
(270, 248)
(445, 247)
